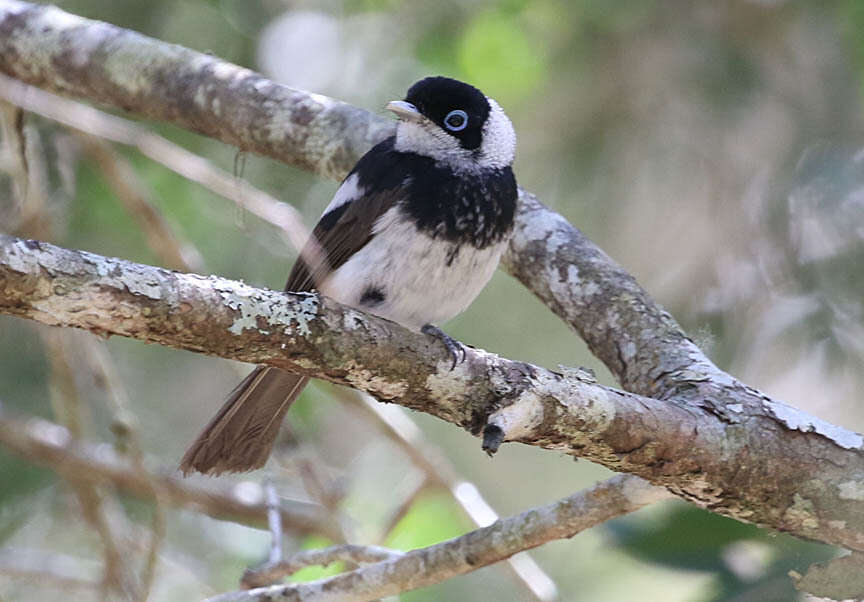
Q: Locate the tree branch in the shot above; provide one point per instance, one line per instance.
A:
(51, 49)
(278, 570)
(426, 566)
(752, 470)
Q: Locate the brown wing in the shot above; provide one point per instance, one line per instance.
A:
(340, 233)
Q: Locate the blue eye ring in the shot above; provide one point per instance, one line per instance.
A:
(460, 117)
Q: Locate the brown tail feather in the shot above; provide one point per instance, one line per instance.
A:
(241, 435)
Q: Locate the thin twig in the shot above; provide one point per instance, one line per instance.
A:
(23, 161)
(67, 402)
(274, 522)
(51, 445)
(14, 158)
(176, 253)
(46, 569)
(354, 554)
(125, 428)
(562, 519)
(320, 488)
(414, 490)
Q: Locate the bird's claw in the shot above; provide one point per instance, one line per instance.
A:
(453, 346)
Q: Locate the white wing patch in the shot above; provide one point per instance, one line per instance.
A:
(349, 191)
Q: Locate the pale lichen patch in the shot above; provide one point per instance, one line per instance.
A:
(704, 369)
(325, 102)
(307, 311)
(117, 273)
(628, 351)
(14, 8)
(590, 289)
(135, 283)
(800, 421)
(588, 402)
(851, 490)
(112, 272)
(139, 286)
(276, 311)
(18, 259)
(131, 81)
(445, 383)
(542, 225)
(519, 419)
(227, 71)
(24, 258)
(374, 384)
(563, 287)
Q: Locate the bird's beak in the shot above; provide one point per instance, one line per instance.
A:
(404, 110)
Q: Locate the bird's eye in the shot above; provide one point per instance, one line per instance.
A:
(456, 120)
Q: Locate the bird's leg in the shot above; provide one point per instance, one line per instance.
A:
(453, 346)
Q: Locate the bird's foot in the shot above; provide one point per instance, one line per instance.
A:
(453, 346)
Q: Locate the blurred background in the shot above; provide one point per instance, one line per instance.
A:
(714, 149)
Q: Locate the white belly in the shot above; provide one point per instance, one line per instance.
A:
(411, 271)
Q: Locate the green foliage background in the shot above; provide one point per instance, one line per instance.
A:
(712, 148)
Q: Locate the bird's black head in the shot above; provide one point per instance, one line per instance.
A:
(455, 124)
(458, 108)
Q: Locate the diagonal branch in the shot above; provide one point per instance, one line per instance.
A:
(278, 570)
(754, 470)
(426, 566)
(51, 49)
